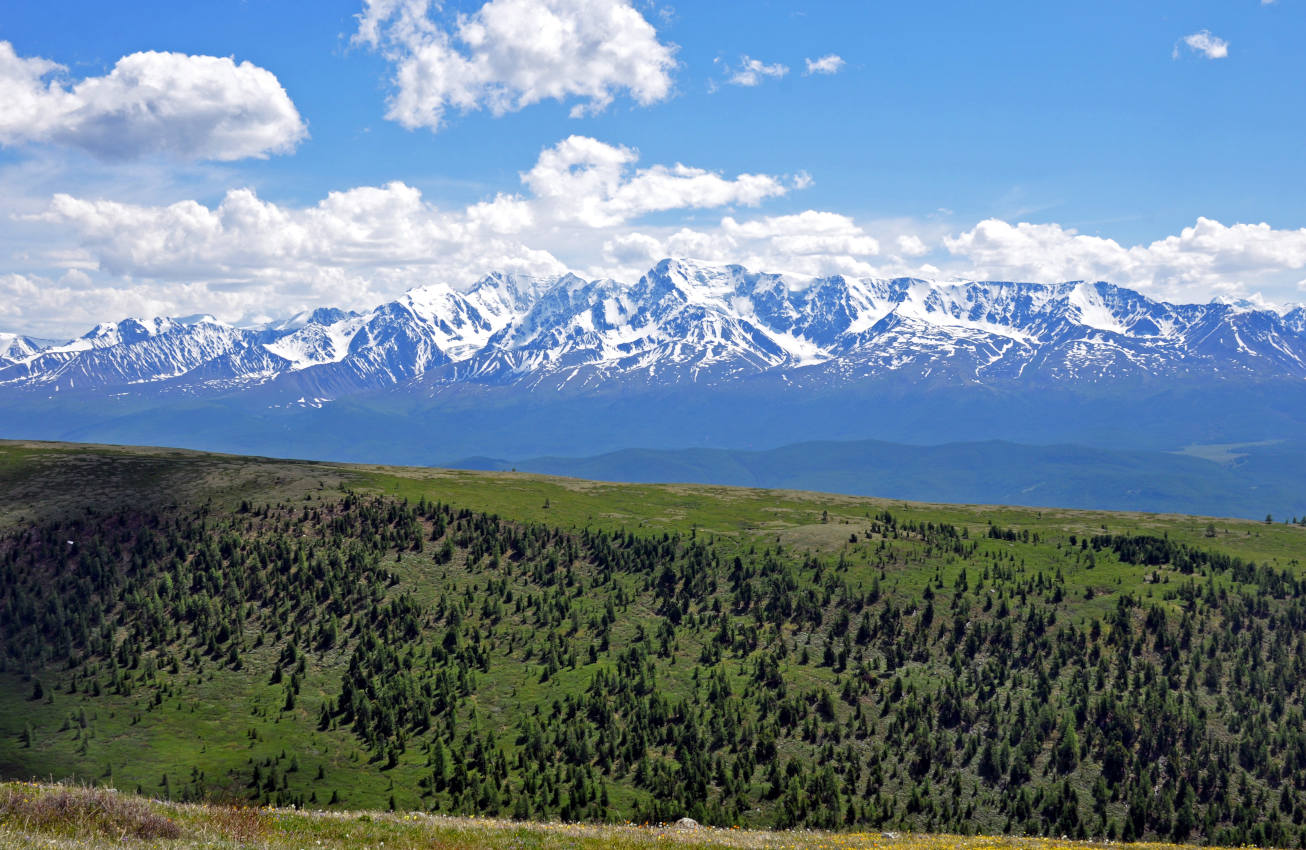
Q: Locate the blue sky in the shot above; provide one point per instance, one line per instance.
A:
(1158, 145)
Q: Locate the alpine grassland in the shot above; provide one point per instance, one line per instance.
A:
(489, 659)
(79, 818)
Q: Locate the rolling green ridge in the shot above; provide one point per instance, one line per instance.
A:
(1246, 480)
(212, 627)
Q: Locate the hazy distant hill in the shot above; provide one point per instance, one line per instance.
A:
(1248, 481)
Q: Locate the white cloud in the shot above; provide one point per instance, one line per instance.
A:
(752, 71)
(1210, 46)
(807, 243)
(510, 54)
(584, 205)
(632, 249)
(807, 233)
(1199, 262)
(584, 180)
(699, 244)
(831, 63)
(911, 245)
(187, 107)
(505, 214)
(247, 238)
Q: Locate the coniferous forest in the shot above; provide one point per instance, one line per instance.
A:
(835, 663)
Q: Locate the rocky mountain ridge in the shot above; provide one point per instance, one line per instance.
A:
(681, 321)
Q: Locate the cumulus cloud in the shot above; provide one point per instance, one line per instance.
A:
(1210, 46)
(247, 238)
(187, 107)
(831, 63)
(1036, 252)
(584, 180)
(1206, 259)
(632, 249)
(510, 54)
(751, 72)
(584, 205)
(807, 233)
(812, 242)
(911, 245)
(577, 181)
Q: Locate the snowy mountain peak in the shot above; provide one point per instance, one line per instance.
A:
(684, 320)
(318, 316)
(198, 319)
(516, 292)
(432, 300)
(1296, 319)
(126, 331)
(15, 347)
(328, 316)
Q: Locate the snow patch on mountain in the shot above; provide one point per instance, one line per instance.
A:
(316, 343)
(16, 347)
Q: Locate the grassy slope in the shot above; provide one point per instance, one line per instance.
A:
(1246, 480)
(40, 479)
(222, 719)
(25, 823)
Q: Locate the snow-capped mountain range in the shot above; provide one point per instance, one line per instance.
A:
(681, 321)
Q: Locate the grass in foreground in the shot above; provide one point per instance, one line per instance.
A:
(86, 818)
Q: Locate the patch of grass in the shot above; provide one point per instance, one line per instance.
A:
(1226, 453)
(40, 480)
(82, 812)
(81, 818)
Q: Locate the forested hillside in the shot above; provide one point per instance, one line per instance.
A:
(536, 648)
